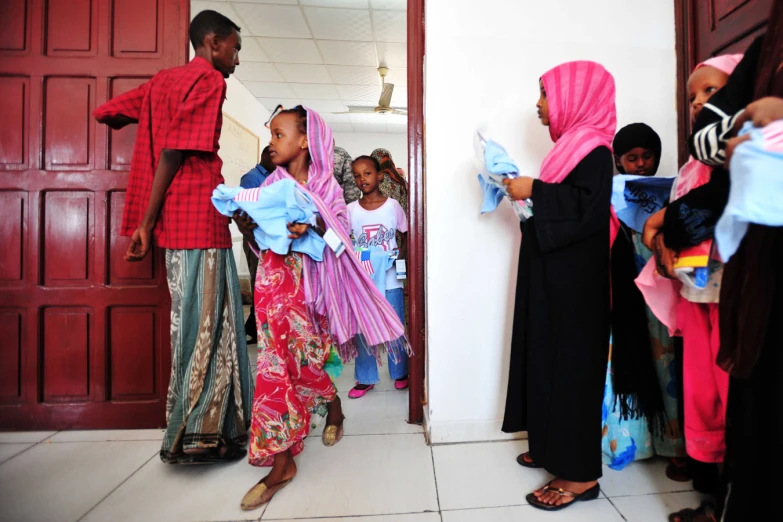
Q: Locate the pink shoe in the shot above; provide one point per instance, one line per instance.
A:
(401, 384)
(358, 393)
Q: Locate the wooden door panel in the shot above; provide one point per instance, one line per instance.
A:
(69, 127)
(121, 141)
(137, 27)
(719, 24)
(72, 27)
(12, 233)
(14, 94)
(10, 355)
(66, 354)
(68, 240)
(133, 353)
(15, 27)
(84, 335)
(120, 271)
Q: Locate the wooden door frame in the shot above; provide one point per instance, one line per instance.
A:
(417, 246)
(683, 44)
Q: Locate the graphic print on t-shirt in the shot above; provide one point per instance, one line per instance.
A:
(376, 235)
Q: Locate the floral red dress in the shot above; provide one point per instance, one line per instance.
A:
(293, 348)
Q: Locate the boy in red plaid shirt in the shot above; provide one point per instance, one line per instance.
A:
(175, 167)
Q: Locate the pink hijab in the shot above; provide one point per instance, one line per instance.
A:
(582, 117)
(338, 288)
(661, 293)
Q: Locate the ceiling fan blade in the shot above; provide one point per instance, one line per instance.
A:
(400, 112)
(353, 109)
(386, 95)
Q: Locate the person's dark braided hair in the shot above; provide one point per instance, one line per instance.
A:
(301, 117)
(372, 160)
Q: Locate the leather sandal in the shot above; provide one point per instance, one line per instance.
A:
(590, 494)
(260, 494)
(707, 511)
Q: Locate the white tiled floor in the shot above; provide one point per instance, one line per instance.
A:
(382, 471)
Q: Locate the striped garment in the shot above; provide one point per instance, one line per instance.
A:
(709, 144)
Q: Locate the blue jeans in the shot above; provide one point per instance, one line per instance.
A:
(366, 371)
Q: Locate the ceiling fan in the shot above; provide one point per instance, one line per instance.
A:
(383, 103)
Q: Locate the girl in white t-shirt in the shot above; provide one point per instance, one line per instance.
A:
(375, 222)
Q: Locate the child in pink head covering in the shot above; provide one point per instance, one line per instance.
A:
(692, 312)
(560, 340)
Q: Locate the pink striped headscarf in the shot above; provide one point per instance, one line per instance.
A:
(339, 288)
(582, 117)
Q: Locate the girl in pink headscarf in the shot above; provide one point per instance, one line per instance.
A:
(560, 340)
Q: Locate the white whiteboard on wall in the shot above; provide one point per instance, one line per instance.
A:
(239, 149)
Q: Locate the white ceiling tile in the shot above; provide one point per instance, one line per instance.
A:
(399, 77)
(299, 73)
(340, 127)
(325, 106)
(397, 129)
(390, 26)
(392, 54)
(358, 119)
(370, 127)
(348, 53)
(347, 75)
(257, 72)
(399, 5)
(394, 119)
(339, 24)
(290, 50)
(315, 91)
(251, 51)
(336, 118)
(270, 90)
(287, 2)
(359, 94)
(273, 20)
(272, 103)
(224, 8)
(355, 4)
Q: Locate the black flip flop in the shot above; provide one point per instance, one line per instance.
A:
(527, 463)
(590, 494)
(689, 515)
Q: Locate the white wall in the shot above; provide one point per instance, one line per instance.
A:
(363, 143)
(482, 70)
(241, 105)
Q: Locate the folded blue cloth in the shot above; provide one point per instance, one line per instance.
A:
(255, 177)
(499, 166)
(636, 198)
(756, 192)
(272, 208)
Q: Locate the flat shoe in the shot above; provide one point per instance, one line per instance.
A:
(358, 393)
(260, 494)
(332, 435)
(590, 494)
(527, 463)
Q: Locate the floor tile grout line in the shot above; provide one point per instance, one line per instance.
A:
(118, 486)
(32, 445)
(616, 509)
(345, 517)
(435, 476)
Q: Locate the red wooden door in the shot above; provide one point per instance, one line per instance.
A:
(708, 28)
(84, 338)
